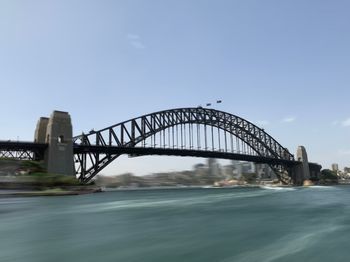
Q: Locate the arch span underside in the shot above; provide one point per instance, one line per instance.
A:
(198, 132)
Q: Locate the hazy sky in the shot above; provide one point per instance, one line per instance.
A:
(284, 65)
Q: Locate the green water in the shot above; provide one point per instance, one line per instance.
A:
(240, 224)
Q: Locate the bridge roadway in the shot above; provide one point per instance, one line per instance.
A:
(21, 145)
(36, 151)
(22, 150)
(142, 151)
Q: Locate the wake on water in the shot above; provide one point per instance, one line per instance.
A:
(182, 201)
(278, 188)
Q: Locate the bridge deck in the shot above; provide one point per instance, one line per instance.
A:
(22, 150)
(21, 145)
(141, 151)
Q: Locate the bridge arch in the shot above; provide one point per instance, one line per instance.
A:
(106, 143)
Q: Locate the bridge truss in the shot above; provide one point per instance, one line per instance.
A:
(198, 132)
(22, 150)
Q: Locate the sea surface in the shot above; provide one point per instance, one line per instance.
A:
(199, 224)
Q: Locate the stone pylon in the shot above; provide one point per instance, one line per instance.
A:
(40, 131)
(59, 138)
(56, 131)
(302, 156)
(302, 170)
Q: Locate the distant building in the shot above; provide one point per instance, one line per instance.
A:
(200, 170)
(264, 171)
(335, 167)
(199, 166)
(213, 167)
(240, 168)
(248, 167)
(227, 172)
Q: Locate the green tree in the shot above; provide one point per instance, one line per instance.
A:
(328, 176)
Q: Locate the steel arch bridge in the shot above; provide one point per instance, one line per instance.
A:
(199, 132)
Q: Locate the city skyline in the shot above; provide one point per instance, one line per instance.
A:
(283, 66)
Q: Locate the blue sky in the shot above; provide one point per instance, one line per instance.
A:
(283, 65)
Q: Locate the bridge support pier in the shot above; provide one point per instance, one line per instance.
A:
(40, 131)
(301, 172)
(56, 131)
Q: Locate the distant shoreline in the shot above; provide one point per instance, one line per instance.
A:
(48, 192)
(65, 192)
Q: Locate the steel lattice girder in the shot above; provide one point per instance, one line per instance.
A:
(22, 150)
(131, 132)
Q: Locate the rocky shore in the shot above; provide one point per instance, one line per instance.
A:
(50, 192)
(29, 178)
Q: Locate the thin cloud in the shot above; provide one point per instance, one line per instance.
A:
(289, 119)
(344, 152)
(133, 37)
(137, 44)
(346, 122)
(135, 41)
(262, 123)
(335, 123)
